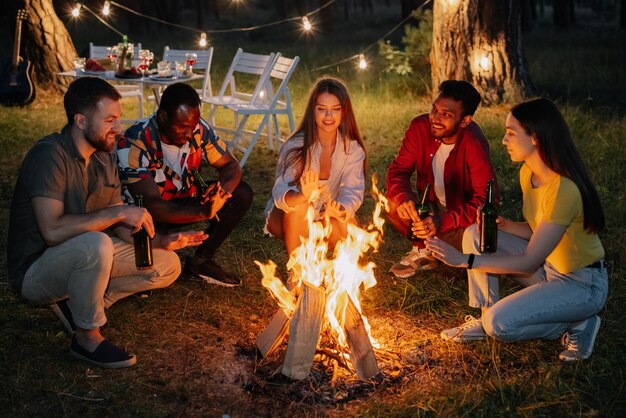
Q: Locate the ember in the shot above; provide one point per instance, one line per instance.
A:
(323, 298)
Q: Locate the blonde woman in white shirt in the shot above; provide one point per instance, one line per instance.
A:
(325, 154)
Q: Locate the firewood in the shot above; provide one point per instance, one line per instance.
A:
(304, 332)
(274, 334)
(361, 352)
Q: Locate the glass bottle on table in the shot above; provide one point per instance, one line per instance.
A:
(422, 211)
(488, 224)
(142, 242)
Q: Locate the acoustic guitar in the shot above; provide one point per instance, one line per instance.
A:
(16, 86)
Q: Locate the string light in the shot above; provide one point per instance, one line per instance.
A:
(362, 62)
(76, 10)
(202, 42)
(306, 25)
(106, 9)
(485, 63)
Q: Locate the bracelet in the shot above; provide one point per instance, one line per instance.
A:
(470, 261)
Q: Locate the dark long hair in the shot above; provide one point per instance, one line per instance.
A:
(298, 157)
(541, 119)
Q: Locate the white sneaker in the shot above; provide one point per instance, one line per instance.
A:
(579, 339)
(413, 261)
(471, 330)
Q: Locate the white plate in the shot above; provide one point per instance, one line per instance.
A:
(87, 72)
(163, 78)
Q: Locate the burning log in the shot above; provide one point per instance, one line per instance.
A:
(304, 332)
(274, 334)
(326, 294)
(361, 352)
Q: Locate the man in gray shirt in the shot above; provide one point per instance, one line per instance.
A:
(67, 193)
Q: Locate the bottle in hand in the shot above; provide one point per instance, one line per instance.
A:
(488, 225)
(422, 211)
(143, 242)
(201, 184)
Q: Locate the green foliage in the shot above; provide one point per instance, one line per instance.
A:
(416, 46)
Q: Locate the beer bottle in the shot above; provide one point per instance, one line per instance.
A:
(201, 184)
(143, 242)
(422, 211)
(488, 225)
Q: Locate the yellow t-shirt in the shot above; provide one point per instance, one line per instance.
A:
(559, 202)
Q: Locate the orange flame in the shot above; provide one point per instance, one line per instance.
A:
(342, 275)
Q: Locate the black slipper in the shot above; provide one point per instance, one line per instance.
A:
(105, 355)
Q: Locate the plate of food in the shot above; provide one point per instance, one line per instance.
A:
(93, 67)
(131, 72)
(157, 77)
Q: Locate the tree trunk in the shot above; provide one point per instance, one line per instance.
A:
(48, 45)
(480, 41)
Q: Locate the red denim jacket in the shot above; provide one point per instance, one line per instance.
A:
(465, 174)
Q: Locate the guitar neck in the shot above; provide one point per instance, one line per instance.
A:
(17, 40)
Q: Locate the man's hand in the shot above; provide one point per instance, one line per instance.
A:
(179, 240)
(210, 192)
(218, 201)
(136, 218)
(425, 228)
(407, 210)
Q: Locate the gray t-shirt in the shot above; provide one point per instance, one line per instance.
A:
(55, 169)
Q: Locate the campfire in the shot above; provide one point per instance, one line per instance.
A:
(322, 298)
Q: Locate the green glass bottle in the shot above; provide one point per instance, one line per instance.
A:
(143, 242)
(422, 211)
(201, 184)
(488, 224)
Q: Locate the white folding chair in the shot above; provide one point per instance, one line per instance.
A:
(205, 56)
(231, 92)
(125, 90)
(277, 102)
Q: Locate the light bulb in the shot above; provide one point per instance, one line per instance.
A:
(306, 24)
(106, 9)
(76, 9)
(485, 63)
(362, 62)
(203, 41)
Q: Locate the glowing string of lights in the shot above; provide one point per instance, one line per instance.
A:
(362, 61)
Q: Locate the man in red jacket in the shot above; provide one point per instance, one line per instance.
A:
(447, 150)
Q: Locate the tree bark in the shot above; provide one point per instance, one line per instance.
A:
(480, 41)
(48, 45)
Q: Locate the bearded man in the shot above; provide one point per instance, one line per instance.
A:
(446, 149)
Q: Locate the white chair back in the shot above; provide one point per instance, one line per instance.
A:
(205, 57)
(277, 101)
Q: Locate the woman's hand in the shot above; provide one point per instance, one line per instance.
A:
(446, 252)
(179, 240)
(335, 210)
(500, 220)
(309, 183)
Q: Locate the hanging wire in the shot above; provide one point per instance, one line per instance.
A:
(392, 30)
(244, 29)
(104, 22)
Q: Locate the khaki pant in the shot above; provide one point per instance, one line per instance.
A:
(95, 271)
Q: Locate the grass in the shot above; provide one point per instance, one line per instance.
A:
(196, 342)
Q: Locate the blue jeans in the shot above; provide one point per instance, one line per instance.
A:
(549, 302)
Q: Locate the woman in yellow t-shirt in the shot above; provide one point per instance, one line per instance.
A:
(555, 254)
